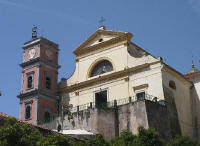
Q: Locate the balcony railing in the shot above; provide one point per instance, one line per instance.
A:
(113, 103)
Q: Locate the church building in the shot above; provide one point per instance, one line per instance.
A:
(116, 86)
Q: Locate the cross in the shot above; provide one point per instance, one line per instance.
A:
(101, 21)
(34, 32)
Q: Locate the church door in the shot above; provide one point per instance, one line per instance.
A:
(101, 99)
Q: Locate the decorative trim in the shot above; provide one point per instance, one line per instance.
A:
(77, 93)
(179, 76)
(101, 47)
(105, 77)
(101, 32)
(126, 79)
(96, 62)
(140, 87)
(40, 60)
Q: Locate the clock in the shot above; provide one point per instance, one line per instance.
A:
(49, 54)
(31, 53)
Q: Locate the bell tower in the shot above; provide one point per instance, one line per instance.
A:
(38, 96)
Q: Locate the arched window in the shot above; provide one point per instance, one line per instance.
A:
(28, 112)
(47, 117)
(102, 67)
(172, 85)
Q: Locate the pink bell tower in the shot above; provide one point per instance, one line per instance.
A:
(38, 96)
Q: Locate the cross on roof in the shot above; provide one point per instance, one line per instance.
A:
(101, 21)
(34, 32)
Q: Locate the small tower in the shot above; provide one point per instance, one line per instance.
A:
(38, 99)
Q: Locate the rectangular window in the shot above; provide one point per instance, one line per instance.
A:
(140, 96)
(48, 80)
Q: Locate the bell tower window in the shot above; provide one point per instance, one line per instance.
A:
(48, 80)
(28, 109)
(30, 80)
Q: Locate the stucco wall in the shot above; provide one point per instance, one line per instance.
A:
(181, 96)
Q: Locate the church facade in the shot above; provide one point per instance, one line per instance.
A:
(116, 86)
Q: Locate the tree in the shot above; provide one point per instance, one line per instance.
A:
(125, 139)
(98, 141)
(16, 134)
(148, 137)
(182, 141)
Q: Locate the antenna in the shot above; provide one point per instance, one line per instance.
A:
(34, 32)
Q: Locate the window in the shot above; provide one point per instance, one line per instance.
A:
(47, 117)
(30, 80)
(102, 67)
(140, 96)
(28, 111)
(101, 99)
(48, 83)
(172, 85)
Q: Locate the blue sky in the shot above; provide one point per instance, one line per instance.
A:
(169, 29)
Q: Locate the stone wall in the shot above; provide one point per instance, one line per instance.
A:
(111, 121)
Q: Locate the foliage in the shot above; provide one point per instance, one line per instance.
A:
(125, 139)
(98, 141)
(149, 137)
(15, 133)
(182, 141)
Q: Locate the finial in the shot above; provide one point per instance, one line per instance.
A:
(192, 64)
(34, 32)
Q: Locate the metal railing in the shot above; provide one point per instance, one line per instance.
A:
(113, 103)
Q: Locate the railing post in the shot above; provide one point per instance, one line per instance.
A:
(90, 104)
(115, 103)
(129, 99)
(77, 108)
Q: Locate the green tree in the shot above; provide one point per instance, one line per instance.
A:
(148, 137)
(15, 133)
(97, 141)
(182, 141)
(125, 139)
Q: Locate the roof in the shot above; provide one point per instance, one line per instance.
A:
(117, 34)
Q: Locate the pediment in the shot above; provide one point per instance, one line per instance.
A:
(100, 37)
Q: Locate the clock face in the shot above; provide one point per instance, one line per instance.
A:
(49, 54)
(31, 53)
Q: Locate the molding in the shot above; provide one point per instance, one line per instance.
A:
(103, 77)
(101, 47)
(37, 92)
(40, 60)
(140, 87)
(177, 74)
(96, 62)
(40, 40)
(126, 79)
(118, 34)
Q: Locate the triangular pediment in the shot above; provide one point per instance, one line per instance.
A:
(100, 37)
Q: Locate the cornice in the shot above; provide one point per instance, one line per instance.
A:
(101, 46)
(39, 60)
(179, 76)
(103, 77)
(37, 92)
(40, 40)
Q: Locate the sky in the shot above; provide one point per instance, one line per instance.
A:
(169, 29)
